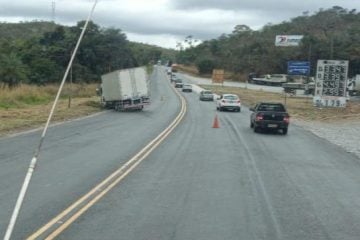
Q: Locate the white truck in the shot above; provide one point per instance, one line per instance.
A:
(270, 79)
(354, 86)
(125, 89)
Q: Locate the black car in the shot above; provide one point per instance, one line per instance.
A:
(177, 80)
(269, 115)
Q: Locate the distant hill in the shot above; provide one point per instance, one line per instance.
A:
(328, 34)
(25, 30)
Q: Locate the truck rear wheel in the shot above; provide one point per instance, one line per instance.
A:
(284, 131)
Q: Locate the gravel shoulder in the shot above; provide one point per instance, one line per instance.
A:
(345, 134)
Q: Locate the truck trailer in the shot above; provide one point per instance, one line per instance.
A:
(269, 79)
(354, 86)
(125, 89)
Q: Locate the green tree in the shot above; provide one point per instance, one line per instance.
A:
(205, 66)
(12, 71)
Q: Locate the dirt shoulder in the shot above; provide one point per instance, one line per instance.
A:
(30, 117)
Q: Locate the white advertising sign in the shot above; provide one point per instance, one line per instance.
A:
(288, 40)
(331, 82)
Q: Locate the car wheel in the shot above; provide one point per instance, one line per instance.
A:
(284, 131)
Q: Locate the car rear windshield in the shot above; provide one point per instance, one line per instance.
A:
(271, 108)
(231, 97)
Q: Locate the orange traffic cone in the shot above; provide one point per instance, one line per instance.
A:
(216, 122)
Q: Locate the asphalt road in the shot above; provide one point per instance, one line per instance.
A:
(230, 183)
(201, 183)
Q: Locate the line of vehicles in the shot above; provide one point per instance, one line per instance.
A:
(128, 89)
(264, 116)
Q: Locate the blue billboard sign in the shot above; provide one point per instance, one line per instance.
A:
(298, 68)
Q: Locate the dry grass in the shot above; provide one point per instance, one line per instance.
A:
(299, 108)
(29, 95)
(28, 107)
(192, 70)
(16, 119)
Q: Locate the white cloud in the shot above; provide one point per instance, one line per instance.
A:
(162, 40)
(164, 22)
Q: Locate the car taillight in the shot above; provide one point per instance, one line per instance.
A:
(259, 117)
(238, 101)
(287, 119)
(223, 101)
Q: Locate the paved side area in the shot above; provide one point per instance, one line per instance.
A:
(345, 134)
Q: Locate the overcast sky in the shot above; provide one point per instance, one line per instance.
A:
(165, 22)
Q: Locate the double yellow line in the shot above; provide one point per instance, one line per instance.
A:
(62, 221)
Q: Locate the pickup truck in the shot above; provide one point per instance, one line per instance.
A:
(269, 115)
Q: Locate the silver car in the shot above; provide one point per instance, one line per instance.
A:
(206, 95)
(187, 88)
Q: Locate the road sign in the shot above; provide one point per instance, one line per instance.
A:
(331, 82)
(218, 76)
(288, 40)
(298, 68)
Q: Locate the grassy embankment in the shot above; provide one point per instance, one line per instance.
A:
(28, 106)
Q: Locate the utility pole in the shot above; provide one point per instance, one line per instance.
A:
(332, 47)
(70, 91)
(71, 79)
(53, 9)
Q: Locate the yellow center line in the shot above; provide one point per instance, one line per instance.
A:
(133, 162)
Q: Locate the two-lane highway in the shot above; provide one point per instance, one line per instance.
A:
(231, 183)
(201, 183)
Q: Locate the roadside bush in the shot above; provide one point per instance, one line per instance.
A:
(205, 66)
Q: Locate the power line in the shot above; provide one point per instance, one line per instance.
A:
(34, 159)
(53, 10)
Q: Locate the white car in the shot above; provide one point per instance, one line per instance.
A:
(228, 102)
(187, 88)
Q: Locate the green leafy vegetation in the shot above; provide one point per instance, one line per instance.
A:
(205, 66)
(38, 53)
(328, 34)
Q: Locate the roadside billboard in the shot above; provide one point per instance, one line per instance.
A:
(288, 40)
(218, 76)
(299, 68)
(331, 82)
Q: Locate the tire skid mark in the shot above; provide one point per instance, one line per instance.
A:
(256, 181)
